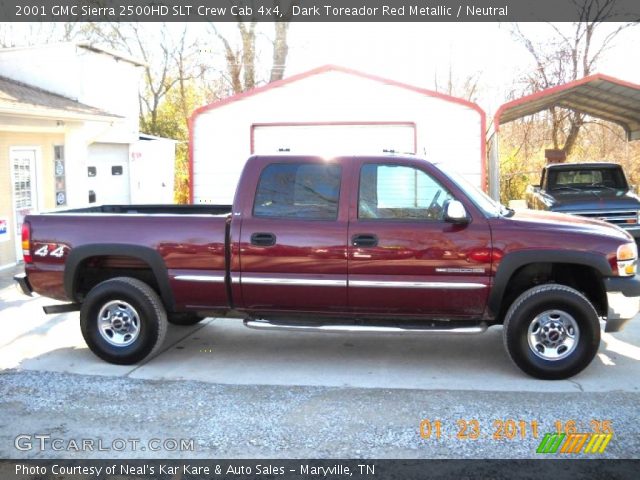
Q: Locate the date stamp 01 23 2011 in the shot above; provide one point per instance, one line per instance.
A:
(566, 436)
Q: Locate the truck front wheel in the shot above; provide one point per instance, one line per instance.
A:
(552, 332)
(123, 321)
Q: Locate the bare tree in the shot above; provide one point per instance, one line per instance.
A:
(242, 69)
(280, 51)
(466, 88)
(280, 42)
(166, 61)
(239, 58)
(568, 54)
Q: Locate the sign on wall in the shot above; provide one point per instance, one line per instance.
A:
(60, 177)
(4, 229)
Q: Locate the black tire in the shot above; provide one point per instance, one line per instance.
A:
(543, 306)
(135, 302)
(184, 319)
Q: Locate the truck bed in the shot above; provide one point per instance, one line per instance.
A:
(182, 247)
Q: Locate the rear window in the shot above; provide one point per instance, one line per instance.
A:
(583, 177)
(298, 190)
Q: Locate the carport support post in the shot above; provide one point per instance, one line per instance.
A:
(494, 167)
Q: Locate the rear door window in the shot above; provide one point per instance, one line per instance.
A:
(308, 191)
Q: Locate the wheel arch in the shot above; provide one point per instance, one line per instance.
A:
(78, 256)
(514, 262)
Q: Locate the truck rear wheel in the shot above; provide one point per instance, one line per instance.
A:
(123, 321)
(552, 332)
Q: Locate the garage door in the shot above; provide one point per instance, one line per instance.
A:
(334, 138)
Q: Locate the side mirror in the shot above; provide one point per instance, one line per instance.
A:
(454, 212)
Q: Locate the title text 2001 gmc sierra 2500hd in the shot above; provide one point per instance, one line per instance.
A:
(379, 244)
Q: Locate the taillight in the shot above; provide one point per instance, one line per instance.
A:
(26, 242)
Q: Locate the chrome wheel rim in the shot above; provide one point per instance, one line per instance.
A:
(118, 323)
(553, 335)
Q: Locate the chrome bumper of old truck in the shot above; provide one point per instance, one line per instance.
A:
(623, 301)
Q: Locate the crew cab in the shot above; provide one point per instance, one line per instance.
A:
(592, 190)
(347, 244)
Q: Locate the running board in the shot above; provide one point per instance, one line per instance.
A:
(64, 308)
(345, 328)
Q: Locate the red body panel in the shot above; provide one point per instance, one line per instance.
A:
(417, 264)
(418, 269)
(537, 230)
(306, 250)
(195, 246)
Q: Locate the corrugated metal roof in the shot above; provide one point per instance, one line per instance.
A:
(599, 96)
(20, 98)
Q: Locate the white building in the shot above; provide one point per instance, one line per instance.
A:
(331, 110)
(69, 136)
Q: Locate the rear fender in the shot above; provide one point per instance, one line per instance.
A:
(152, 258)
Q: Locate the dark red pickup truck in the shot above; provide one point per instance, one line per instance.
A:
(370, 244)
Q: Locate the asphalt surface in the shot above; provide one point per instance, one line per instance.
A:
(230, 392)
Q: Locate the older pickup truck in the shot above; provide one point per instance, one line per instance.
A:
(592, 190)
(351, 244)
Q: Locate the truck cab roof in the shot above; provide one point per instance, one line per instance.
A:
(573, 166)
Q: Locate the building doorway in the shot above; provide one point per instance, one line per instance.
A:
(25, 189)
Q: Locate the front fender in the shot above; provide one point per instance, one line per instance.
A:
(513, 261)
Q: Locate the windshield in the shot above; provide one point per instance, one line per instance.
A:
(488, 205)
(586, 178)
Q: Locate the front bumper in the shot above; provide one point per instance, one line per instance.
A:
(623, 301)
(23, 284)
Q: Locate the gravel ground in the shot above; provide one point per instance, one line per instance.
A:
(238, 421)
(240, 403)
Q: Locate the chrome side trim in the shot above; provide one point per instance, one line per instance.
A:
(324, 282)
(200, 278)
(266, 325)
(426, 285)
(306, 282)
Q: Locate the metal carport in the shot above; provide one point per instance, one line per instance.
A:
(599, 96)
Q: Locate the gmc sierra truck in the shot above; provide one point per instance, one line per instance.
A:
(593, 190)
(351, 244)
